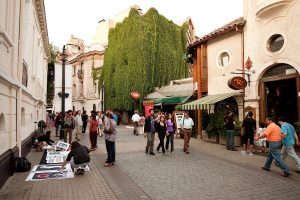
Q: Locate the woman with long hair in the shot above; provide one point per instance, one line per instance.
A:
(161, 129)
(171, 127)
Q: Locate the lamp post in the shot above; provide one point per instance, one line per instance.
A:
(63, 83)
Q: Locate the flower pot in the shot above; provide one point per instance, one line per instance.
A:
(206, 138)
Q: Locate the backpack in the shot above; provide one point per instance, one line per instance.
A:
(69, 123)
(22, 164)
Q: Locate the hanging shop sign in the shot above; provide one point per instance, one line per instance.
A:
(237, 83)
(135, 95)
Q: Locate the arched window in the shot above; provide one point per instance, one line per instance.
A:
(2, 124)
(22, 116)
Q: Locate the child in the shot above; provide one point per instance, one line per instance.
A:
(80, 155)
(262, 142)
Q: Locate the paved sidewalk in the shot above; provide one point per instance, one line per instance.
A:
(209, 172)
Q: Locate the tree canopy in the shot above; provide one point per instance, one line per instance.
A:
(143, 52)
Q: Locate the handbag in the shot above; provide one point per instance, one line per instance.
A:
(22, 164)
(110, 131)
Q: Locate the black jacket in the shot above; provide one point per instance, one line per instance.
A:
(147, 127)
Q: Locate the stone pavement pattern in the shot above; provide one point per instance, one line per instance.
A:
(209, 172)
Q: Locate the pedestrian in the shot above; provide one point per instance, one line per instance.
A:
(249, 125)
(262, 142)
(273, 136)
(187, 124)
(84, 118)
(135, 120)
(110, 132)
(57, 124)
(93, 132)
(141, 124)
(161, 129)
(290, 137)
(149, 132)
(78, 125)
(42, 141)
(69, 126)
(229, 123)
(79, 157)
(171, 127)
(100, 124)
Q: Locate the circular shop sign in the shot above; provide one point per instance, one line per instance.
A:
(237, 83)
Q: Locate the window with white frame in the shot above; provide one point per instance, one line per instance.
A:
(224, 59)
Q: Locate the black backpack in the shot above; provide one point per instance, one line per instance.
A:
(22, 164)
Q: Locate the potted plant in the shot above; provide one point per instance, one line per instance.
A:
(215, 127)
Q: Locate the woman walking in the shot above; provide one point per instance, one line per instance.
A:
(161, 129)
(171, 127)
(93, 132)
(110, 138)
(78, 125)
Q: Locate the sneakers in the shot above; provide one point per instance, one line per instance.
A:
(285, 174)
(233, 149)
(243, 152)
(250, 154)
(173, 153)
(151, 153)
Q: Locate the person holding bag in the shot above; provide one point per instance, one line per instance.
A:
(110, 138)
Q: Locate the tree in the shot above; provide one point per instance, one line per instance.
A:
(51, 74)
(143, 52)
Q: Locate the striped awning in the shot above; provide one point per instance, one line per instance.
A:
(205, 102)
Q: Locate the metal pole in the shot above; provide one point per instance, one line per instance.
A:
(63, 89)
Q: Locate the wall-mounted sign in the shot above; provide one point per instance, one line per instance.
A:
(237, 83)
(135, 95)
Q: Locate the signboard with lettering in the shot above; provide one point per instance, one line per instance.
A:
(135, 95)
(237, 83)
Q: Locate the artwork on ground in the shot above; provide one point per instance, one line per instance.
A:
(63, 145)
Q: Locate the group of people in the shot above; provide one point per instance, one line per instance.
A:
(276, 137)
(165, 126)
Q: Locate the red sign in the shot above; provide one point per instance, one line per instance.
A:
(147, 110)
(135, 95)
(237, 83)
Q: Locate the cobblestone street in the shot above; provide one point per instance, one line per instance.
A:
(209, 172)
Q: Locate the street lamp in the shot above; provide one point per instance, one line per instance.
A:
(63, 89)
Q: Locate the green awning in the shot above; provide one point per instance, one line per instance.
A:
(171, 100)
(205, 102)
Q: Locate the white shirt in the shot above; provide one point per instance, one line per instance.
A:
(135, 117)
(187, 123)
(78, 120)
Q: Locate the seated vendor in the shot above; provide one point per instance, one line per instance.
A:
(80, 155)
(42, 141)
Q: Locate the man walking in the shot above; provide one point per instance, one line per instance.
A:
(69, 126)
(187, 124)
(135, 119)
(289, 136)
(229, 125)
(273, 136)
(149, 132)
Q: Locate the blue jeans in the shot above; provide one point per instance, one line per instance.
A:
(170, 139)
(230, 139)
(274, 153)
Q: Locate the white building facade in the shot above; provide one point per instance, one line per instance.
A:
(24, 54)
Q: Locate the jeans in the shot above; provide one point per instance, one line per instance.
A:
(111, 151)
(230, 139)
(84, 127)
(274, 153)
(93, 139)
(161, 142)
(150, 141)
(289, 150)
(170, 138)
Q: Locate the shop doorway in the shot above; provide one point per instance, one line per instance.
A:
(279, 89)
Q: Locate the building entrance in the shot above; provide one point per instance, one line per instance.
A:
(278, 91)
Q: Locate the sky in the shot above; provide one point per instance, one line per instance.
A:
(80, 17)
